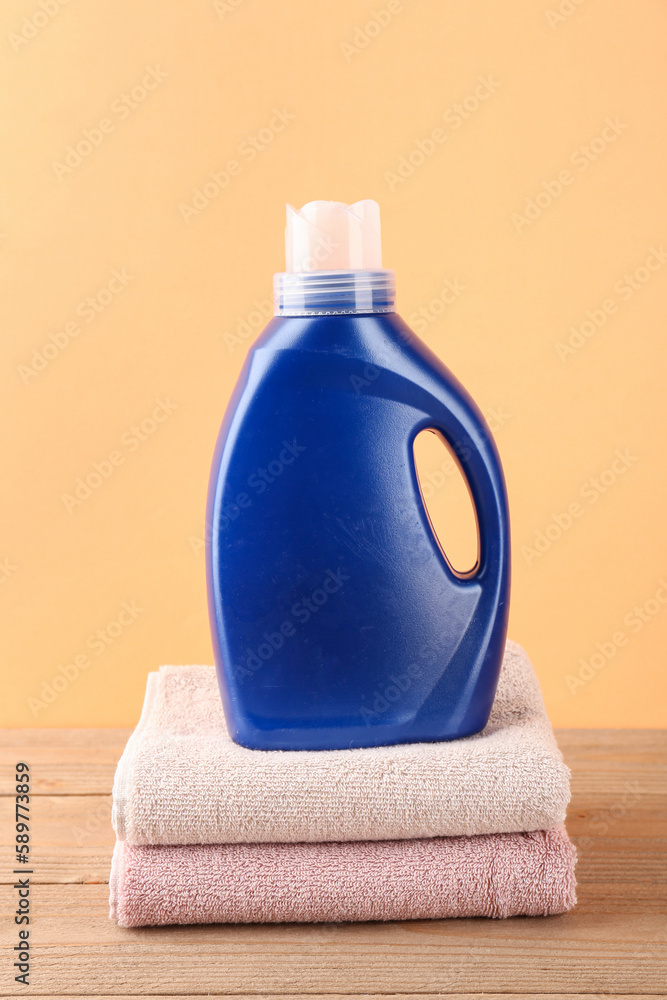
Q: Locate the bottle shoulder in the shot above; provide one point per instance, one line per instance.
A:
(348, 334)
(383, 341)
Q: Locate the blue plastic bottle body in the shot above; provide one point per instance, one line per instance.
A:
(336, 619)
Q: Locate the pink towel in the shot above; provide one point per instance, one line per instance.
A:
(492, 875)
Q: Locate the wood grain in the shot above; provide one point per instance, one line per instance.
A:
(62, 761)
(80, 950)
(614, 943)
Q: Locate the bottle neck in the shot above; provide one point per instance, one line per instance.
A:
(332, 293)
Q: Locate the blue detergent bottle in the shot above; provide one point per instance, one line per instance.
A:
(337, 620)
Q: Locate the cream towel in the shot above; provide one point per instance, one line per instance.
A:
(182, 780)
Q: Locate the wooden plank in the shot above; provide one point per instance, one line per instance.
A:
(62, 761)
(71, 840)
(364, 996)
(86, 739)
(623, 762)
(79, 950)
(649, 744)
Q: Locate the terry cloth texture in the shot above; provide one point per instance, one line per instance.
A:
(182, 780)
(501, 875)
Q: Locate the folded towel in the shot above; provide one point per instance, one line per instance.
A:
(500, 875)
(182, 780)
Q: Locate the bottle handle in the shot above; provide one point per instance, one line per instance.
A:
(463, 428)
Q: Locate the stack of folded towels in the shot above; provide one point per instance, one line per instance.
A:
(209, 831)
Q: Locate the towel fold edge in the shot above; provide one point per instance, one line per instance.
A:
(120, 802)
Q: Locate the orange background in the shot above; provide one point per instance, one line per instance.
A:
(540, 196)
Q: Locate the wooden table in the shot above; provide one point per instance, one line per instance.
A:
(614, 942)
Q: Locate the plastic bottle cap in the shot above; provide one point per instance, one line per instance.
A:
(332, 236)
(334, 262)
